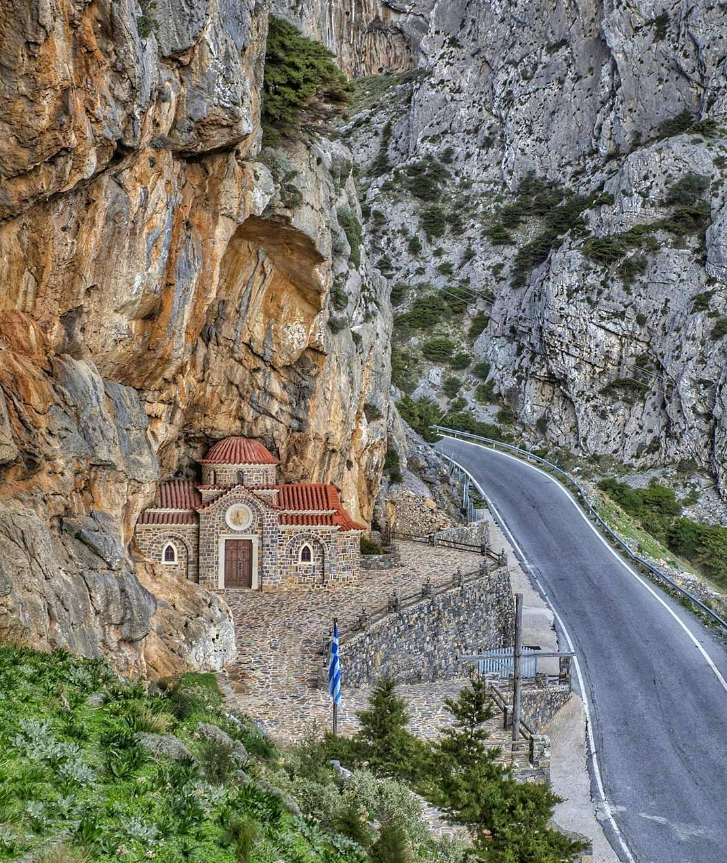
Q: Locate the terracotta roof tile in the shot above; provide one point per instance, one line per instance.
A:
(315, 496)
(179, 517)
(238, 450)
(179, 494)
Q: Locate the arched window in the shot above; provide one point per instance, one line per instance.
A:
(306, 554)
(169, 555)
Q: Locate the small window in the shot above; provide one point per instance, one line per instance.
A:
(169, 555)
(306, 554)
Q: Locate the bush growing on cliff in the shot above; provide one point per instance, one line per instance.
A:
(438, 349)
(298, 73)
(421, 415)
(354, 234)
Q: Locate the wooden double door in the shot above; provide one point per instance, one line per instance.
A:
(238, 563)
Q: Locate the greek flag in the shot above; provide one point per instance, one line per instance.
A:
(334, 669)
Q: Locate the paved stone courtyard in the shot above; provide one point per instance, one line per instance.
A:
(275, 676)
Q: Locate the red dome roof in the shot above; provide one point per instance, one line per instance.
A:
(239, 450)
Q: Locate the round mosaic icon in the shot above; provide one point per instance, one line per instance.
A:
(238, 516)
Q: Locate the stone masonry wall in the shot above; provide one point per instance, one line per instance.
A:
(264, 526)
(421, 643)
(335, 557)
(541, 703)
(249, 475)
(151, 539)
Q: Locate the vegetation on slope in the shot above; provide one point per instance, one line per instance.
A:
(459, 772)
(96, 769)
(659, 512)
(299, 74)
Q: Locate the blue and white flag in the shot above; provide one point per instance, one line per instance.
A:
(334, 669)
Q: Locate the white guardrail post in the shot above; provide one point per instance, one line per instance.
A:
(590, 511)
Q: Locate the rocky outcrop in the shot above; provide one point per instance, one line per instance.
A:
(369, 37)
(162, 290)
(617, 103)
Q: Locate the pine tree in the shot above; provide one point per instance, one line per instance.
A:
(383, 738)
(509, 819)
(392, 846)
(297, 69)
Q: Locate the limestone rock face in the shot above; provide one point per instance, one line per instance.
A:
(162, 289)
(367, 36)
(593, 97)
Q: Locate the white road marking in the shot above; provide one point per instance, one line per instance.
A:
(620, 559)
(586, 707)
(683, 831)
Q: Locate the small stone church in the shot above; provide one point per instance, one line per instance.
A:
(240, 528)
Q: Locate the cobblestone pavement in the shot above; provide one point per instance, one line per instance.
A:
(275, 677)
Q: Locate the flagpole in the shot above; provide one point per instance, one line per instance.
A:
(335, 706)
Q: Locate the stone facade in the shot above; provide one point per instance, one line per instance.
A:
(293, 534)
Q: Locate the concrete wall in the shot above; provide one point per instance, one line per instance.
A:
(420, 643)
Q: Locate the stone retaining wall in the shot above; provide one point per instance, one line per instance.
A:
(421, 643)
(475, 533)
(541, 703)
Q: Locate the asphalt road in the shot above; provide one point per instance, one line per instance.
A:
(658, 710)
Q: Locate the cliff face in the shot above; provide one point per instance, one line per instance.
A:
(162, 289)
(607, 335)
(369, 37)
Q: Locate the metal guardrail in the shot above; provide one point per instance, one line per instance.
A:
(593, 515)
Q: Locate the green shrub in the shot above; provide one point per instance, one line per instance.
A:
(433, 222)
(641, 319)
(414, 245)
(392, 845)
(404, 367)
(719, 330)
(372, 412)
(392, 464)
(368, 546)
(339, 298)
(677, 125)
(659, 512)
(244, 834)
(399, 293)
(700, 302)
(632, 267)
(498, 235)
(297, 71)
(354, 234)
(451, 386)
(421, 415)
(485, 393)
(457, 299)
(381, 162)
(424, 314)
(481, 369)
(383, 739)
(146, 23)
(479, 323)
(460, 361)
(505, 415)
(438, 348)
(337, 324)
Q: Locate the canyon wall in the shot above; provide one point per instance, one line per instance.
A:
(614, 348)
(163, 287)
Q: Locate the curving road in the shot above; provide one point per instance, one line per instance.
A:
(653, 677)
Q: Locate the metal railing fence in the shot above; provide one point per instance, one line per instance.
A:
(592, 513)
